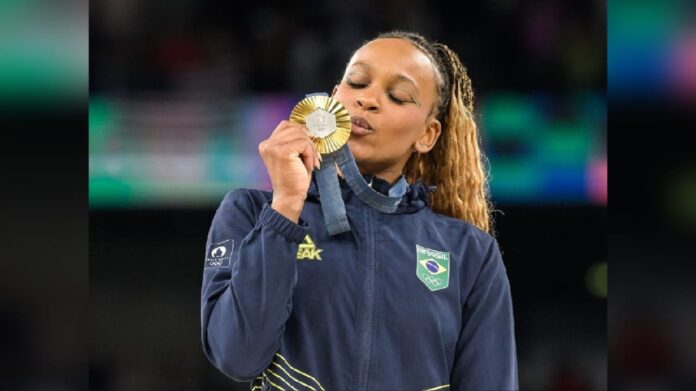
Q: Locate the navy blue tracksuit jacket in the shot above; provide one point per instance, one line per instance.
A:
(412, 300)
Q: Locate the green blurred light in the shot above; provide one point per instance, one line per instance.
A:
(43, 55)
(565, 144)
(510, 114)
(515, 178)
(596, 280)
(30, 77)
(10, 8)
(102, 119)
(644, 19)
(109, 192)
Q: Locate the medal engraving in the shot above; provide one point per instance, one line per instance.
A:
(321, 123)
(326, 119)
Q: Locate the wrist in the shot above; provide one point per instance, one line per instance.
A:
(290, 207)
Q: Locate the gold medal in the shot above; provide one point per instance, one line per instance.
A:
(327, 120)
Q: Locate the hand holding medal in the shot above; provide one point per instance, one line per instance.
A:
(329, 123)
(327, 120)
(290, 158)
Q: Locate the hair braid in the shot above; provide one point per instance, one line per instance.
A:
(456, 164)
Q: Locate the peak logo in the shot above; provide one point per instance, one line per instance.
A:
(307, 250)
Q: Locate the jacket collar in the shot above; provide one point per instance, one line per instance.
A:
(415, 198)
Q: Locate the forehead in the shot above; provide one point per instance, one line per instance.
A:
(396, 56)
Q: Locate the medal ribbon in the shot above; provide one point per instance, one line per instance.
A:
(332, 204)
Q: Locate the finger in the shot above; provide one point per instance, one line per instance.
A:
(291, 138)
(304, 149)
(317, 155)
(316, 159)
(291, 132)
(309, 156)
(283, 125)
(288, 131)
(308, 159)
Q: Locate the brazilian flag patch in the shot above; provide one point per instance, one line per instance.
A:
(432, 267)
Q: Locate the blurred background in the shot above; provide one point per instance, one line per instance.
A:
(651, 74)
(191, 86)
(182, 92)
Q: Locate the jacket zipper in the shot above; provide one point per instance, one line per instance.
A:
(366, 340)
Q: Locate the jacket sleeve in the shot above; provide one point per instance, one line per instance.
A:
(485, 356)
(248, 281)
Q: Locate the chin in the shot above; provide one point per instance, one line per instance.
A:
(358, 150)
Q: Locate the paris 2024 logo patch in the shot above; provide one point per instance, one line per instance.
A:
(219, 254)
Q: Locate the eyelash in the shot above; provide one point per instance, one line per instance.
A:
(359, 86)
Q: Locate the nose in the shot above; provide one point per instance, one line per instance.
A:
(367, 102)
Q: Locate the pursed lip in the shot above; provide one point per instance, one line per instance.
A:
(360, 125)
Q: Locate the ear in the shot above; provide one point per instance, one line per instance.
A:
(427, 140)
(334, 90)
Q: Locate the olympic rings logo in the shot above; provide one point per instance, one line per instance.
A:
(433, 281)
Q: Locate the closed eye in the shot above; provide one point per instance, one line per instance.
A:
(393, 98)
(396, 100)
(355, 85)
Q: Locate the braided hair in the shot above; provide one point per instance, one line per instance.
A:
(456, 164)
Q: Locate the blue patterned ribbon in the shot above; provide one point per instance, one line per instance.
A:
(330, 191)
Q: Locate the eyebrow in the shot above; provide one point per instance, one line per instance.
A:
(398, 77)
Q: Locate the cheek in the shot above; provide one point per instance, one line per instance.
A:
(405, 127)
(342, 95)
